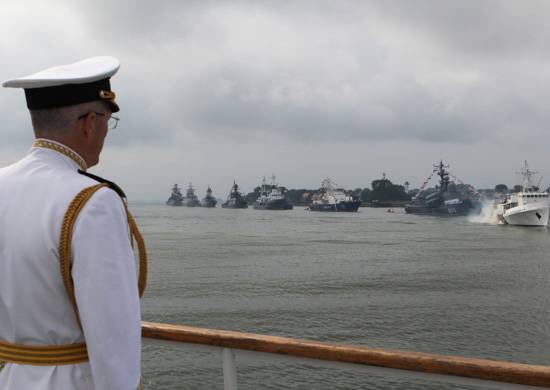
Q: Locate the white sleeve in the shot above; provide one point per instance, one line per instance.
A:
(104, 275)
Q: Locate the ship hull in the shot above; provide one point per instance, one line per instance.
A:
(209, 203)
(174, 203)
(233, 204)
(192, 203)
(279, 204)
(528, 215)
(351, 207)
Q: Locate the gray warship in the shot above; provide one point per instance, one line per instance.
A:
(446, 200)
(235, 200)
(209, 200)
(191, 200)
(176, 198)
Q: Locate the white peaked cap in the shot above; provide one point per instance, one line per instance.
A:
(71, 84)
(85, 71)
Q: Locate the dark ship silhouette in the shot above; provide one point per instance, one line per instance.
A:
(235, 200)
(209, 200)
(176, 198)
(191, 200)
(445, 201)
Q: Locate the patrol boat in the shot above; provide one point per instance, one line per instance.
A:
(176, 198)
(271, 197)
(209, 200)
(235, 200)
(530, 207)
(332, 199)
(445, 201)
(191, 200)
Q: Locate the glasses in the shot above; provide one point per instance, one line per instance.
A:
(112, 121)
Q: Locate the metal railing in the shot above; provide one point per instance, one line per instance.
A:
(452, 369)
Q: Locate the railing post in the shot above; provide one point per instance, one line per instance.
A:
(229, 369)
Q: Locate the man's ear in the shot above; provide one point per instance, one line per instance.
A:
(88, 126)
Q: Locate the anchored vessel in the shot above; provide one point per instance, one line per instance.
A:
(176, 198)
(333, 199)
(530, 207)
(235, 200)
(209, 200)
(271, 197)
(191, 200)
(445, 201)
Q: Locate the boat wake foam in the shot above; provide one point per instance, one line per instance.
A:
(487, 215)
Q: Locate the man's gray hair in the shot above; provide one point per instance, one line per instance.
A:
(60, 120)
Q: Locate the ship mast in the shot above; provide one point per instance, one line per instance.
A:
(527, 175)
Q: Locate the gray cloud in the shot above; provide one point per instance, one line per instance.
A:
(227, 77)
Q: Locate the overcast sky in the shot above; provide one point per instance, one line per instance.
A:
(212, 91)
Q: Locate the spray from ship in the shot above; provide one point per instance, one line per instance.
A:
(487, 214)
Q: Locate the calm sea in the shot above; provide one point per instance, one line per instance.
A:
(387, 280)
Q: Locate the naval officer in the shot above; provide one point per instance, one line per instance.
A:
(69, 304)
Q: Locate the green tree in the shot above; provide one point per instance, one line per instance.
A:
(384, 190)
(501, 188)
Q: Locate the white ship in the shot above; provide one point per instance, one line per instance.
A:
(332, 199)
(530, 207)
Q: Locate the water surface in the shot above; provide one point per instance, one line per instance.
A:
(387, 280)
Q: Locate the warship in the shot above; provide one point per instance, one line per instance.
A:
(191, 200)
(446, 199)
(209, 200)
(332, 199)
(176, 198)
(235, 200)
(271, 197)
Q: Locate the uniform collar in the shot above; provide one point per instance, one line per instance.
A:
(62, 149)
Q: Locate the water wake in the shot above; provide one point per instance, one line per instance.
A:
(487, 215)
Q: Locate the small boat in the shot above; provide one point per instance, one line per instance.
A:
(191, 200)
(235, 200)
(209, 200)
(529, 207)
(176, 198)
(332, 199)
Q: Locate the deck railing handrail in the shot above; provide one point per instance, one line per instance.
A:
(483, 369)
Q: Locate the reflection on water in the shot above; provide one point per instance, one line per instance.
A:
(387, 280)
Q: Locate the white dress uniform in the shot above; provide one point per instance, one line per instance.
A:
(35, 309)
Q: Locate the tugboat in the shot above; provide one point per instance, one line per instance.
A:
(235, 200)
(209, 200)
(191, 200)
(530, 207)
(176, 198)
(332, 199)
(442, 201)
(271, 197)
